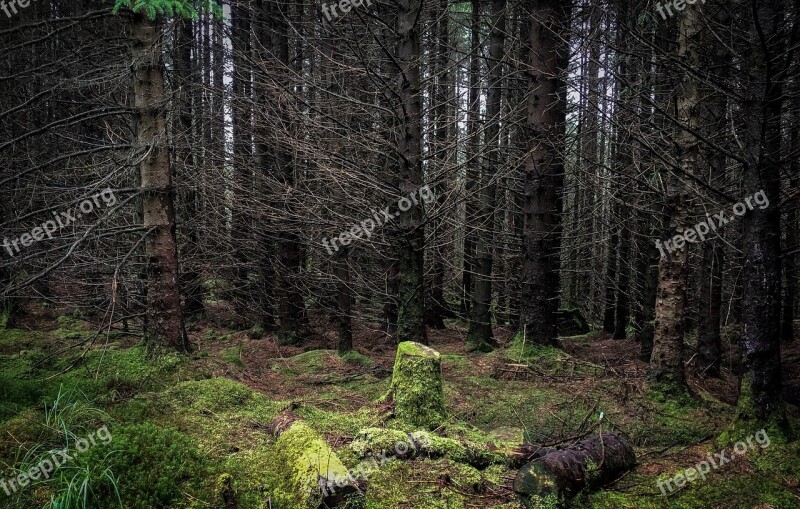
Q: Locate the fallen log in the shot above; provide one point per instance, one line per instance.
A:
(558, 475)
(382, 443)
(317, 476)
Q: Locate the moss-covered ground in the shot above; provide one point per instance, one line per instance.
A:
(191, 431)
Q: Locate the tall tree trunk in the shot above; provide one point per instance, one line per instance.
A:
(622, 306)
(437, 307)
(648, 269)
(186, 156)
(242, 154)
(165, 327)
(291, 307)
(790, 259)
(666, 370)
(264, 157)
(654, 226)
(790, 265)
(630, 72)
(479, 336)
(713, 111)
(544, 168)
(760, 401)
(411, 306)
(588, 154)
(472, 149)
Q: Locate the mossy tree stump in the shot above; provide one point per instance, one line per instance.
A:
(417, 389)
(558, 475)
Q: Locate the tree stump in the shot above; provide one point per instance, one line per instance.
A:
(417, 386)
(560, 474)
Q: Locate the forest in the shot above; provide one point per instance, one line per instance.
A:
(399, 254)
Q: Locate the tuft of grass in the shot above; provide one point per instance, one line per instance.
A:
(62, 436)
(233, 354)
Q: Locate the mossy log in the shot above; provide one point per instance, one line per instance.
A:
(559, 475)
(382, 443)
(317, 476)
(417, 389)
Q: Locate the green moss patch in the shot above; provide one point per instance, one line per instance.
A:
(548, 359)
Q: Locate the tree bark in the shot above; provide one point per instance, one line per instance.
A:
(344, 302)
(472, 163)
(709, 342)
(611, 268)
(479, 336)
(560, 474)
(666, 370)
(186, 156)
(544, 168)
(165, 326)
(760, 402)
(411, 294)
(242, 154)
(713, 112)
(291, 307)
(263, 158)
(437, 307)
(790, 265)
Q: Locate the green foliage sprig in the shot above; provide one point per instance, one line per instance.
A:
(182, 8)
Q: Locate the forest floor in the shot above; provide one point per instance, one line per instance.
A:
(185, 428)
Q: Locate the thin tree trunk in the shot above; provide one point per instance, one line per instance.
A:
(242, 155)
(709, 342)
(611, 269)
(437, 307)
(479, 336)
(185, 154)
(263, 158)
(344, 302)
(472, 148)
(290, 301)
